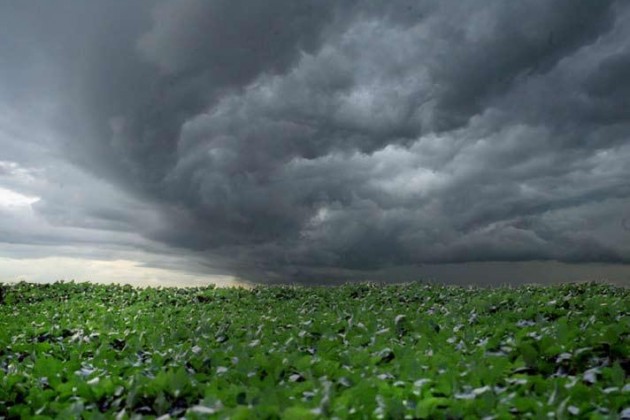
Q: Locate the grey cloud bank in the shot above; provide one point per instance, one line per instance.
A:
(313, 141)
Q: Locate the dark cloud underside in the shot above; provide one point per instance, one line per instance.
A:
(299, 137)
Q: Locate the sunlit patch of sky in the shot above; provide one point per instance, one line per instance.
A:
(9, 198)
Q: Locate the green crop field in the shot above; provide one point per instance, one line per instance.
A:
(362, 351)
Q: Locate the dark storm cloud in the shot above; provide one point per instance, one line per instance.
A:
(299, 138)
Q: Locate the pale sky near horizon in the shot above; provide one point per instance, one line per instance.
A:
(315, 142)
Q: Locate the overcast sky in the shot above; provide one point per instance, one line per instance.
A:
(314, 141)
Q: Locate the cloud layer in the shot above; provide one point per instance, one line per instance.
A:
(303, 138)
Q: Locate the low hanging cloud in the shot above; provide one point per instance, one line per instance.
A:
(304, 139)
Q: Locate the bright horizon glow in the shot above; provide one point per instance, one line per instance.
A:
(51, 269)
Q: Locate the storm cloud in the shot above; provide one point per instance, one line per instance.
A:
(310, 139)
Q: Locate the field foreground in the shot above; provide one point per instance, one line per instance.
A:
(362, 351)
